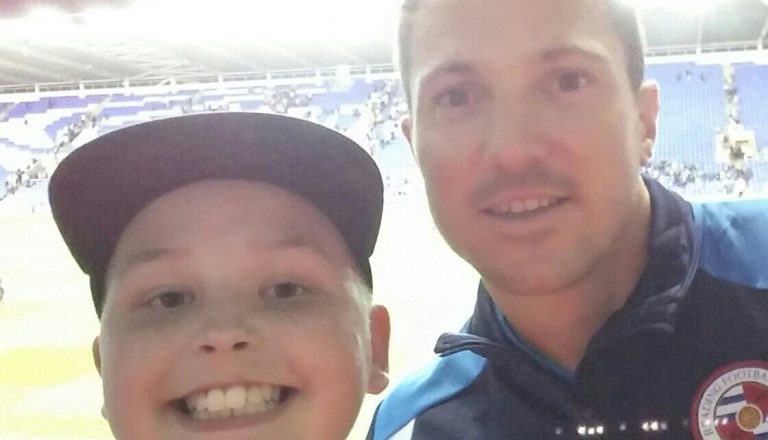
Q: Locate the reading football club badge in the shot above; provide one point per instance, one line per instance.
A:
(733, 404)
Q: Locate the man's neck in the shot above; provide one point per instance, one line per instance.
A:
(560, 324)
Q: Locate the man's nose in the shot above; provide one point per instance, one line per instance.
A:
(515, 135)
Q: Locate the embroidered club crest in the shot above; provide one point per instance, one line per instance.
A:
(733, 404)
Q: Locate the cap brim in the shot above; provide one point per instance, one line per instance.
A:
(100, 187)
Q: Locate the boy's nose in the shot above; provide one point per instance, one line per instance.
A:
(227, 333)
(223, 344)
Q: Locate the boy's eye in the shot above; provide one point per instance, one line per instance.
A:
(570, 82)
(170, 300)
(454, 98)
(285, 291)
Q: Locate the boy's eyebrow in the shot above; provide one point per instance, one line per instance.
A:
(154, 254)
(149, 255)
(297, 242)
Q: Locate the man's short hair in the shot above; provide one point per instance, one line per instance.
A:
(623, 15)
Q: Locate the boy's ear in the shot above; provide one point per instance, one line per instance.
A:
(379, 378)
(96, 354)
(97, 361)
(406, 126)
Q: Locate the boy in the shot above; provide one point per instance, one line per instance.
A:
(228, 259)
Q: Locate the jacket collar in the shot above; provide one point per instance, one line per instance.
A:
(655, 302)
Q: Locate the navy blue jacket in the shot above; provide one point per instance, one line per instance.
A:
(699, 311)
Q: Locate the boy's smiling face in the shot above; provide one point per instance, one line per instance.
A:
(232, 312)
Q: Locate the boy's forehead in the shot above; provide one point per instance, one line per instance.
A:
(256, 215)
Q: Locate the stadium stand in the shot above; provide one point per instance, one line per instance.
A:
(36, 125)
(692, 110)
(693, 113)
(759, 167)
(752, 85)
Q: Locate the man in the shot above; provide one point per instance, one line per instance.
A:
(604, 309)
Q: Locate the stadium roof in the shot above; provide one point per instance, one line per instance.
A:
(96, 41)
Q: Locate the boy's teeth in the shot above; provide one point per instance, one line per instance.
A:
(199, 402)
(256, 406)
(215, 400)
(254, 394)
(238, 400)
(235, 397)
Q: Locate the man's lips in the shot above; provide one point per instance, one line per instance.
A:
(523, 205)
(522, 202)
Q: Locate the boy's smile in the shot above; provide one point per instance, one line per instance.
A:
(232, 401)
(232, 312)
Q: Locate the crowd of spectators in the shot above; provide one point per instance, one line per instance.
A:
(731, 91)
(376, 124)
(384, 109)
(64, 142)
(281, 99)
(688, 76)
(26, 177)
(688, 179)
(380, 118)
(35, 170)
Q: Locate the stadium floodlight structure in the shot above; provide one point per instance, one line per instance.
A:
(89, 45)
(327, 22)
(679, 6)
(190, 21)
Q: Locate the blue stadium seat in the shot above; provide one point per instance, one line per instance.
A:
(693, 107)
(752, 83)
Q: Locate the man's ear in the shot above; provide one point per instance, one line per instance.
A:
(648, 104)
(96, 354)
(380, 330)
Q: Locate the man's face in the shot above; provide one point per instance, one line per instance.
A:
(231, 313)
(528, 134)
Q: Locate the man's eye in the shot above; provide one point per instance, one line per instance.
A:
(454, 98)
(570, 82)
(285, 291)
(170, 300)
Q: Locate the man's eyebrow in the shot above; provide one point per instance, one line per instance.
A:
(558, 53)
(461, 68)
(445, 68)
